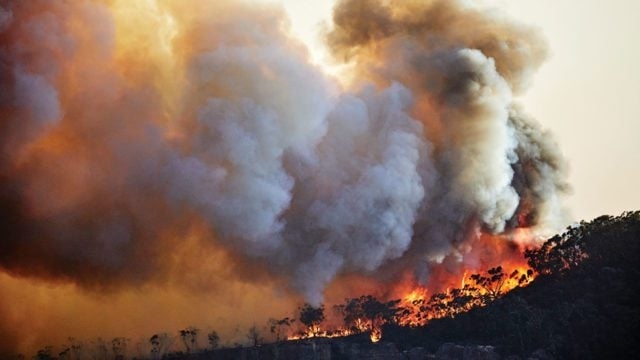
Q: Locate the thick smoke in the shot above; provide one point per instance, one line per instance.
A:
(127, 125)
(494, 169)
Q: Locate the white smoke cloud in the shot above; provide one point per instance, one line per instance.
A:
(362, 205)
(477, 139)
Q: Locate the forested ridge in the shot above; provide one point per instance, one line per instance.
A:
(582, 305)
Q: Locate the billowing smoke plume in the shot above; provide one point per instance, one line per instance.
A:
(128, 127)
(491, 168)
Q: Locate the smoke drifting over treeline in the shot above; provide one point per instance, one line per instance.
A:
(192, 144)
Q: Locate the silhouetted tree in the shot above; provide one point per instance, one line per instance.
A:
(253, 334)
(312, 317)
(189, 338)
(492, 283)
(438, 306)
(277, 326)
(213, 339)
(558, 254)
(352, 314)
(463, 300)
(159, 345)
(367, 313)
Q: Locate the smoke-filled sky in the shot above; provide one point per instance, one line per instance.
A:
(170, 163)
(585, 92)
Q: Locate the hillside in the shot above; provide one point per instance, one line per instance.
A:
(582, 305)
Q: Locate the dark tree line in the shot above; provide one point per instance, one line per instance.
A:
(367, 313)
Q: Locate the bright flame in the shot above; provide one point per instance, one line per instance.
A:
(416, 294)
(449, 293)
(419, 305)
(464, 279)
(376, 335)
(309, 334)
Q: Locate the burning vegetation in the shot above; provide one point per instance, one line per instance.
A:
(165, 154)
(368, 314)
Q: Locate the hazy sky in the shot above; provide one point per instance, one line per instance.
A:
(586, 93)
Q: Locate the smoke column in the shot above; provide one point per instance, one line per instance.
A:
(190, 147)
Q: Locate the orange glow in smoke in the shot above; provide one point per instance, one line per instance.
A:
(423, 303)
